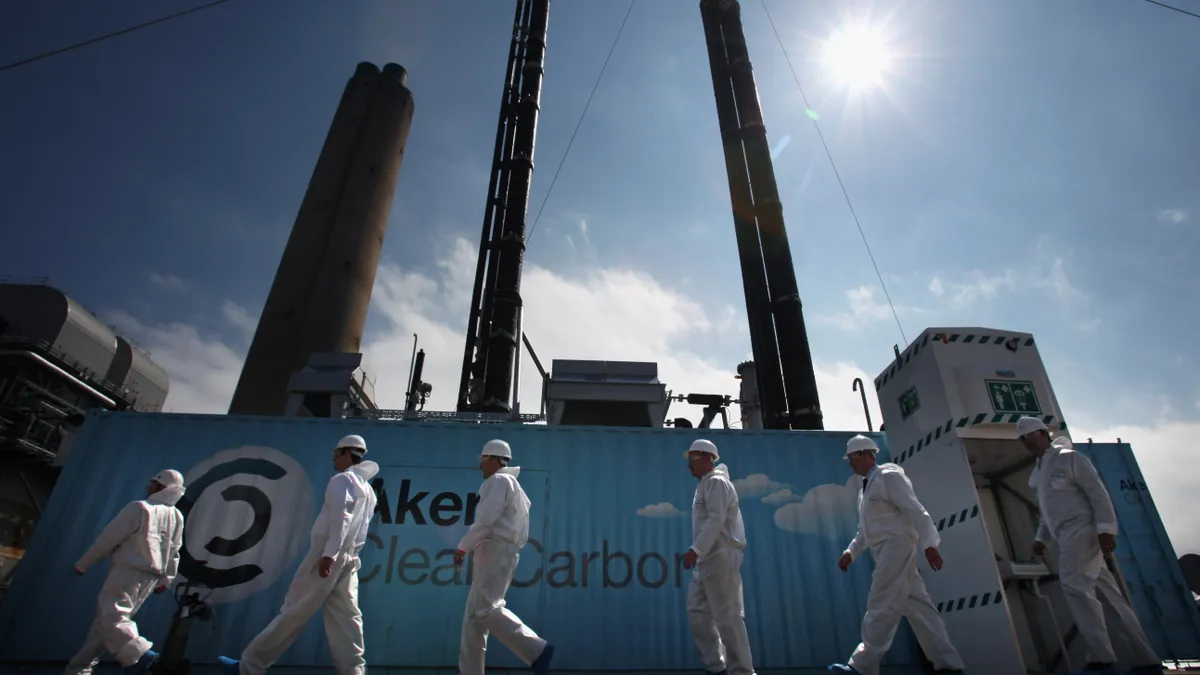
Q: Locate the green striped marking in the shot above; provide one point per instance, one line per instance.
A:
(957, 518)
(952, 424)
(945, 338)
(993, 598)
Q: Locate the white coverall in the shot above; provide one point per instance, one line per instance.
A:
(716, 610)
(1075, 508)
(142, 543)
(896, 528)
(500, 530)
(340, 532)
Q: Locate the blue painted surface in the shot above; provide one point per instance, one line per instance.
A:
(611, 510)
(1146, 557)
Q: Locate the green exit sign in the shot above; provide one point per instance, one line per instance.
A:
(1015, 397)
(909, 403)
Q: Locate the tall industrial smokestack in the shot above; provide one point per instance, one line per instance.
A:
(493, 327)
(778, 338)
(318, 301)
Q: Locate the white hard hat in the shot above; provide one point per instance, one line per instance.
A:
(1028, 425)
(701, 445)
(496, 448)
(169, 478)
(860, 443)
(353, 442)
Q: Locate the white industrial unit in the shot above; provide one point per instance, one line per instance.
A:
(950, 403)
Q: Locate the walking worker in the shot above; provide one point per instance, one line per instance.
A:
(327, 579)
(500, 530)
(1077, 512)
(716, 611)
(142, 544)
(894, 525)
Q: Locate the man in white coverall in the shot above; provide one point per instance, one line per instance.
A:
(142, 543)
(716, 612)
(500, 530)
(1077, 513)
(894, 525)
(327, 579)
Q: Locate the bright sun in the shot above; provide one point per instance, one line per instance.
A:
(857, 56)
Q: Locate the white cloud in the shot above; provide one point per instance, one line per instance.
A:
(239, 317)
(1056, 280)
(168, 282)
(974, 287)
(828, 510)
(756, 484)
(1173, 215)
(978, 286)
(203, 372)
(659, 510)
(781, 497)
(1160, 447)
(867, 306)
(601, 313)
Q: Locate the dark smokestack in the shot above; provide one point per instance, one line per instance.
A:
(785, 347)
(470, 385)
(488, 380)
(319, 297)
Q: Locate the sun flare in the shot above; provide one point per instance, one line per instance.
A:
(857, 56)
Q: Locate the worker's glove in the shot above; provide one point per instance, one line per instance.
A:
(934, 558)
(326, 567)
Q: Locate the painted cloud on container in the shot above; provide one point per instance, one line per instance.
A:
(659, 510)
(828, 510)
(756, 485)
(781, 497)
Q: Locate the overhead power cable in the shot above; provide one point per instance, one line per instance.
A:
(833, 164)
(1181, 11)
(63, 50)
(583, 114)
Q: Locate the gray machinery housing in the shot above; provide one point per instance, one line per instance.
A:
(57, 362)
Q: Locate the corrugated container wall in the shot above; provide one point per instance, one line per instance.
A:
(1147, 559)
(600, 576)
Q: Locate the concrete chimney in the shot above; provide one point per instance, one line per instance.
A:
(322, 289)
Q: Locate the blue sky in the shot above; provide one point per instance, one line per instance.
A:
(1026, 165)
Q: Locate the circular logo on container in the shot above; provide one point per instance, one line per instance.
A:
(247, 515)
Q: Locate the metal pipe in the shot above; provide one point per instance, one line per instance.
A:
(769, 377)
(803, 404)
(29, 489)
(71, 378)
(1054, 621)
(861, 389)
(503, 338)
(412, 361)
(414, 393)
(516, 375)
(500, 155)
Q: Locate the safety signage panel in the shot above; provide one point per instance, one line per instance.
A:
(1013, 396)
(909, 403)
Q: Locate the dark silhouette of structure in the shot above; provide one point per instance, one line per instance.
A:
(786, 381)
(319, 299)
(493, 327)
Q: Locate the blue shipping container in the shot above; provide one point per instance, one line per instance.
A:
(600, 577)
(1146, 557)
